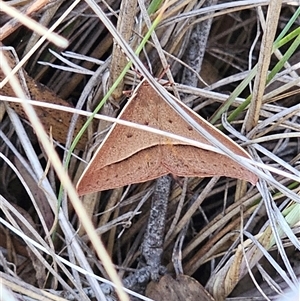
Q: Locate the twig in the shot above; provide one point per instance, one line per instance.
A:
(152, 247)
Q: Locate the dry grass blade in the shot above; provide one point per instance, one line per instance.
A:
(8, 28)
(125, 27)
(263, 62)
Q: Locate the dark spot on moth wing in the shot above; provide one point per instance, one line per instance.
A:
(146, 123)
(190, 128)
(150, 164)
(129, 135)
(170, 121)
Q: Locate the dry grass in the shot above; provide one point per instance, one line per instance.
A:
(234, 238)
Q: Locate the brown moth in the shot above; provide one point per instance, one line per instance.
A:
(128, 155)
